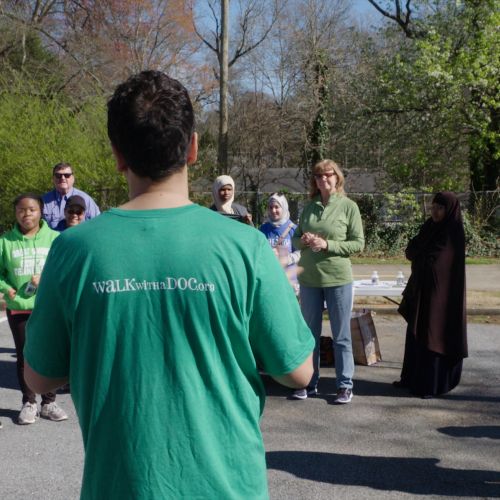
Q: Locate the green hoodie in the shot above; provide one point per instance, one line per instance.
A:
(20, 258)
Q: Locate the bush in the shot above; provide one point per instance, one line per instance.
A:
(478, 242)
(38, 131)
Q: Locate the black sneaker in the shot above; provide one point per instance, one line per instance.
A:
(312, 391)
(344, 395)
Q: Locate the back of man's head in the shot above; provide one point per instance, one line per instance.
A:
(151, 123)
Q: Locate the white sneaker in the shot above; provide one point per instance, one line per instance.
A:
(53, 412)
(28, 414)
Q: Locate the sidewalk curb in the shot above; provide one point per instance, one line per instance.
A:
(393, 310)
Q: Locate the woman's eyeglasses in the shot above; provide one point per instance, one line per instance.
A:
(324, 174)
(65, 175)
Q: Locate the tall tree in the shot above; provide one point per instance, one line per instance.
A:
(451, 67)
(222, 150)
(254, 25)
(99, 43)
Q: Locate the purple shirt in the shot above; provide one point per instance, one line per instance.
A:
(54, 203)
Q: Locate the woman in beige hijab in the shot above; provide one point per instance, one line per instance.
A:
(223, 195)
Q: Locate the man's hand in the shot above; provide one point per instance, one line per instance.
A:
(11, 292)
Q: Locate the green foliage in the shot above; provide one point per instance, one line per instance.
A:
(479, 243)
(38, 131)
(403, 205)
(370, 207)
(391, 220)
(319, 133)
(442, 91)
(24, 59)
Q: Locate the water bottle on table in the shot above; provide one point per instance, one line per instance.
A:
(400, 279)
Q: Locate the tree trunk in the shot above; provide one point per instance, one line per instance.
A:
(222, 153)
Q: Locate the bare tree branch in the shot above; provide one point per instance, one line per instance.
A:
(404, 20)
(215, 48)
(240, 52)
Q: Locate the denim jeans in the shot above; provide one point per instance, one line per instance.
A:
(339, 304)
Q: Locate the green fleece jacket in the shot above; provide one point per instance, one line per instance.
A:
(339, 222)
(20, 258)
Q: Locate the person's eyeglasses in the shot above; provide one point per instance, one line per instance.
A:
(66, 175)
(75, 211)
(324, 174)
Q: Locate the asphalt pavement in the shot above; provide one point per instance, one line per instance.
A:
(385, 444)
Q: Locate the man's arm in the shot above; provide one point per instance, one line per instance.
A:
(299, 377)
(40, 384)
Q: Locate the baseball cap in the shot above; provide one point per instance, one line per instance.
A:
(76, 201)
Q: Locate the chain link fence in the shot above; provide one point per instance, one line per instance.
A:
(391, 219)
(393, 207)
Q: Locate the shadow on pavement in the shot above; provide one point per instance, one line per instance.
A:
(466, 397)
(12, 414)
(369, 388)
(8, 377)
(419, 476)
(327, 388)
(474, 431)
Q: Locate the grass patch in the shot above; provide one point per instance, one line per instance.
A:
(402, 261)
(379, 260)
(484, 320)
(482, 261)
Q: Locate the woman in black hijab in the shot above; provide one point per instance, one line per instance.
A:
(434, 302)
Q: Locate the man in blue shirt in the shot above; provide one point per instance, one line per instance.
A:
(54, 201)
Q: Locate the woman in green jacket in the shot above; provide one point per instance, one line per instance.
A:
(23, 251)
(330, 230)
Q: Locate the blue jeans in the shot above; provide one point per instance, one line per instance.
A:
(339, 304)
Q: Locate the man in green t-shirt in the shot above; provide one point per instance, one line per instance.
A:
(158, 313)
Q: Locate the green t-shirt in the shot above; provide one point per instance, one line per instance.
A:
(161, 318)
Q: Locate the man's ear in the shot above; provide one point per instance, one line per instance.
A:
(192, 154)
(121, 165)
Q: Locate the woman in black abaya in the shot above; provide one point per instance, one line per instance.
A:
(434, 302)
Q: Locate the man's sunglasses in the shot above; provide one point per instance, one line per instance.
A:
(66, 175)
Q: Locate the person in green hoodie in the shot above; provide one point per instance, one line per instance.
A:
(329, 231)
(23, 251)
